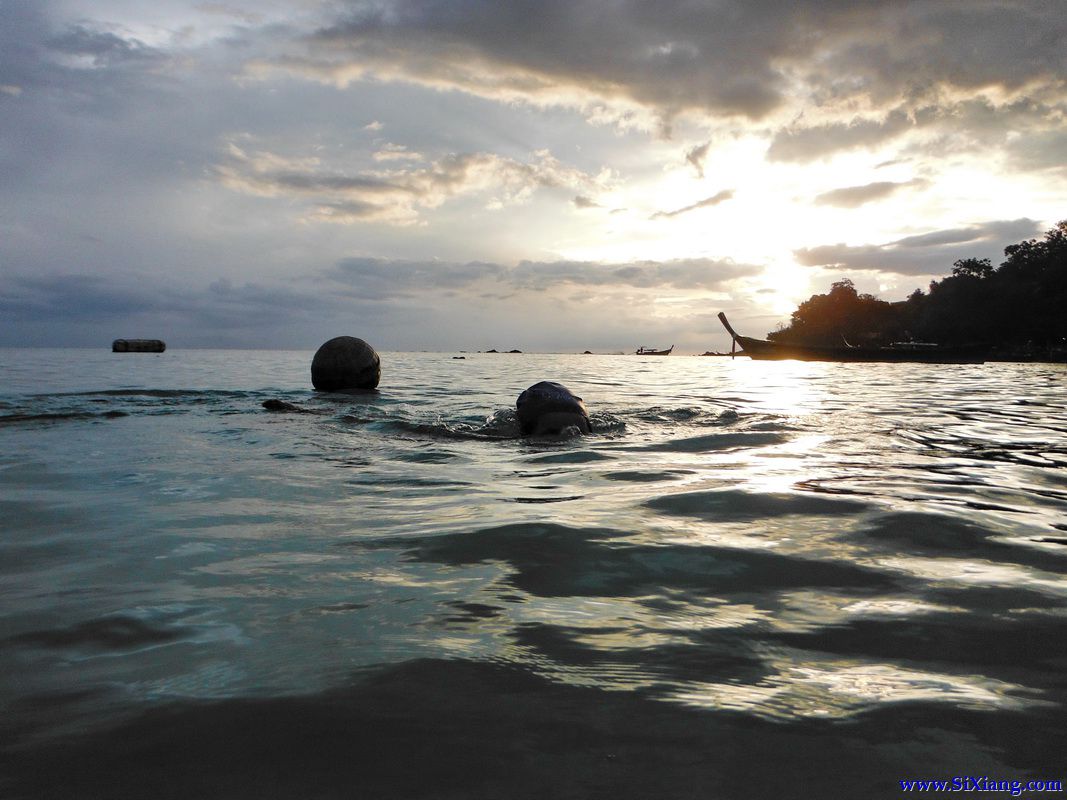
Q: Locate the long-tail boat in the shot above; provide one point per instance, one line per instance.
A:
(651, 351)
(762, 350)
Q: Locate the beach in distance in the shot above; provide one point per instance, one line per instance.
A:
(752, 579)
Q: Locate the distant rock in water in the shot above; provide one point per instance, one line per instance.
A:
(138, 346)
(345, 362)
(548, 408)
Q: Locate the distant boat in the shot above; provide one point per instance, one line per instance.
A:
(919, 352)
(651, 351)
(138, 346)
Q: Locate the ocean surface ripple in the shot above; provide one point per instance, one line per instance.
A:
(752, 580)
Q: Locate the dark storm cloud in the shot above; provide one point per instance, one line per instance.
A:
(21, 35)
(926, 254)
(72, 310)
(102, 48)
(100, 298)
(671, 56)
(85, 297)
(714, 200)
(735, 57)
(855, 196)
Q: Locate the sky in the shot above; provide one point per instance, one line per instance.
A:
(544, 175)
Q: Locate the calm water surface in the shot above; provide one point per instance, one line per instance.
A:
(753, 580)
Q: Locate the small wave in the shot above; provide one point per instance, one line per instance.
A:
(686, 414)
(604, 423)
(120, 632)
(501, 424)
(1028, 453)
(1052, 539)
(59, 416)
(659, 414)
(732, 504)
(551, 560)
(455, 430)
(572, 457)
(715, 442)
(647, 476)
(149, 393)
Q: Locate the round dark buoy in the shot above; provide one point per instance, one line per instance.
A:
(345, 362)
(548, 409)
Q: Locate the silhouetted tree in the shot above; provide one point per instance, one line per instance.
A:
(972, 267)
(1020, 304)
(842, 315)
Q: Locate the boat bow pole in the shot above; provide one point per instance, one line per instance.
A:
(733, 336)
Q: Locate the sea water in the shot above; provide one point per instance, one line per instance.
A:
(754, 579)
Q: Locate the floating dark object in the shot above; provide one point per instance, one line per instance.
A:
(762, 350)
(281, 405)
(345, 362)
(515, 351)
(458, 357)
(651, 351)
(138, 346)
(548, 409)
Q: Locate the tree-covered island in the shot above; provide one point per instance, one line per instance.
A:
(1017, 310)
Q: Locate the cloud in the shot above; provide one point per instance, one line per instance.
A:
(855, 196)
(808, 142)
(398, 195)
(118, 297)
(92, 48)
(378, 278)
(86, 297)
(925, 254)
(383, 278)
(612, 62)
(224, 10)
(714, 200)
(635, 65)
(1045, 151)
(396, 152)
(931, 124)
(696, 155)
(78, 310)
